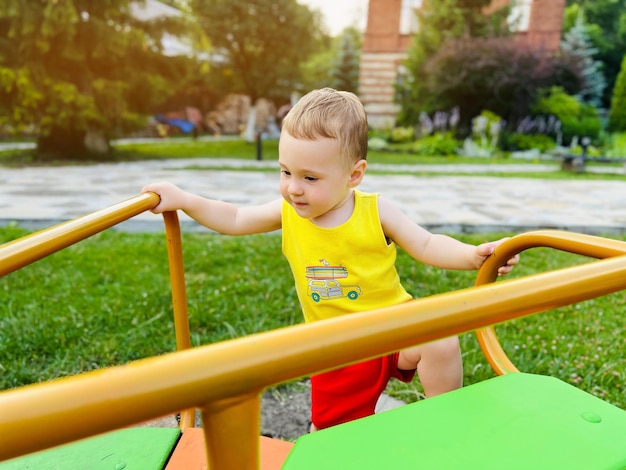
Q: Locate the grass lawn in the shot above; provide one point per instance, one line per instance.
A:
(106, 301)
(239, 149)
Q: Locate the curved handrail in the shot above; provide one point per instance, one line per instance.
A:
(586, 245)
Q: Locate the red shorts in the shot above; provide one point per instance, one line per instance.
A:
(351, 392)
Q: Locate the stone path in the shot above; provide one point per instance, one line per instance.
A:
(38, 197)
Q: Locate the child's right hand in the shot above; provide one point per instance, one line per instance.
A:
(172, 197)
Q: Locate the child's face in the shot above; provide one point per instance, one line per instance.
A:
(315, 179)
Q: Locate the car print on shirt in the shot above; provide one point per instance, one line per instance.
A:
(323, 284)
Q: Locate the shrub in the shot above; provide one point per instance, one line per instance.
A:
(402, 134)
(540, 142)
(577, 119)
(438, 144)
(616, 145)
(495, 74)
(377, 143)
(617, 114)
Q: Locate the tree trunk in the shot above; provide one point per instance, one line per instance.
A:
(69, 144)
(250, 127)
(96, 142)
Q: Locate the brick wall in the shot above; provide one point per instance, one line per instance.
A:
(546, 22)
(383, 27)
(544, 28)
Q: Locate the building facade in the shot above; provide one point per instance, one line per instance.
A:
(391, 23)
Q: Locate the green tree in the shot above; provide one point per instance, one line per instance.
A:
(260, 45)
(617, 113)
(577, 119)
(319, 69)
(606, 25)
(577, 45)
(440, 22)
(344, 71)
(81, 72)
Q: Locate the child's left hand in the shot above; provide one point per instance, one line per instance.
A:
(486, 249)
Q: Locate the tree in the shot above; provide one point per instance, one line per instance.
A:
(577, 45)
(260, 44)
(488, 74)
(617, 114)
(606, 26)
(440, 22)
(323, 67)
(81, 72)
(344, 71)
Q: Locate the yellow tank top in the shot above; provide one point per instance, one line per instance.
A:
(345, 269)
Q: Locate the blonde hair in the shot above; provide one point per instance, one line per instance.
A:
(332, 114)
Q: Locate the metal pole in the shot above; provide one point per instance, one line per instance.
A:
(259, 146)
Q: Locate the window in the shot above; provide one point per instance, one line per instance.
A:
(408, 18)
(519, 18)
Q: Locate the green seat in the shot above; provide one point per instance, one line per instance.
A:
(132, 448)
(516, 421)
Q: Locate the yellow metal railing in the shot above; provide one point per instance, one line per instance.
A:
(225, 380)
(586, 245)
(26, 250)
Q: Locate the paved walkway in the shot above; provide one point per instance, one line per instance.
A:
(38, 197)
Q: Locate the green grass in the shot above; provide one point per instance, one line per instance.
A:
(159, 150)
(175, 148)
(106, 301)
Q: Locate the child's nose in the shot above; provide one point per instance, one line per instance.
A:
(295, 187)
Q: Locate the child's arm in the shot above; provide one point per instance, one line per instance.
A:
(220, 216)
(433, 249)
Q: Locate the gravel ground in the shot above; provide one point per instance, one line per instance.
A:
(285, 413)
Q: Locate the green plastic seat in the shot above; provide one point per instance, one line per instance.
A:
(515, 421)
(141, 448)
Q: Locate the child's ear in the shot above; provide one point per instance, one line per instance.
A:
(357, 173)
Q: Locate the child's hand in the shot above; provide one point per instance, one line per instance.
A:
(486, 249)
(172, 197)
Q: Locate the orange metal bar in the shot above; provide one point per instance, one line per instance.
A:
(586, 245)
(19, 253)
(230, 420)
(216, 376)
(177, 280)
(179, 297)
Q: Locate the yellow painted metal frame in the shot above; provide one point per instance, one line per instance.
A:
(225, 380)
(26, 250)
(586, 245)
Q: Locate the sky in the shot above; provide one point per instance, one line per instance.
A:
(340, 13)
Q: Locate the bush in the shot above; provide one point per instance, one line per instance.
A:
(402, 134)
(616, 145)
(540, 142)
(377, 143)
(577, 119)
(617, 114)
(438, 144)
(495, 74)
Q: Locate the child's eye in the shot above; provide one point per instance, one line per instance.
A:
(285, 172)
(310, 178)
